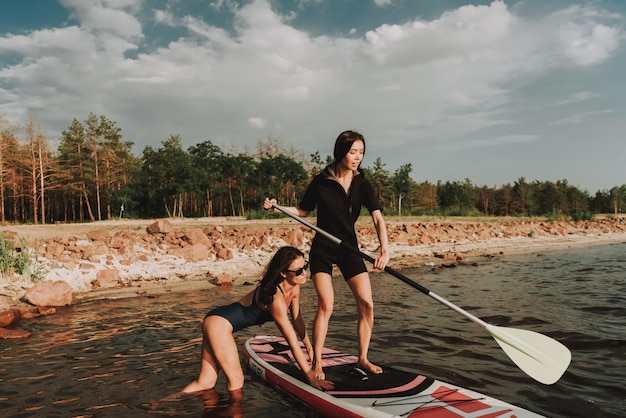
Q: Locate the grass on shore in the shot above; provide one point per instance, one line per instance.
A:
(19, 260)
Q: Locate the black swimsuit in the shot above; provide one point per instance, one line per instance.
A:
(243, 316)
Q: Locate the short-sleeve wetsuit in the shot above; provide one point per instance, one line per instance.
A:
(337, 212)
(241, 316)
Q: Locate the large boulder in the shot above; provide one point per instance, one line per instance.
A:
(192, 253)
(197, 236)
(9, 316)
(54, 250)
(99, 235)
(162, 226)
(225, 254)
(224, 280)
(106, 279)
(6, 334)
(50, 293)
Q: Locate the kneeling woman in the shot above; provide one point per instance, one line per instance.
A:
(278, 292)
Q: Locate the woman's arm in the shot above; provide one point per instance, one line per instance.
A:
(267, 205)
(298, 321)
(381, 230)
(278, 308)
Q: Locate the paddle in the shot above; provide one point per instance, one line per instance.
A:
(541, 357)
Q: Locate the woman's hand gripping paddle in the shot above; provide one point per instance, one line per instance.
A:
(541, 357)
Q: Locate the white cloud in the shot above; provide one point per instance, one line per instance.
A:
(257, 122)
(108, 15)
(165, 17)
(382, 3)
(470, 33)
(217, 5)
(589, 45)
(581, 117)
(578, 97)
(483, 143)
(583, 39)
(415, 83)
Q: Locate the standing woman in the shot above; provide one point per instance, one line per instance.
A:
(278, 292)
(339, 191)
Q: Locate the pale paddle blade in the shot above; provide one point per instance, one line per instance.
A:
(541, 357)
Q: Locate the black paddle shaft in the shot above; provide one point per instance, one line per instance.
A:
(388, 269)
(541, 357)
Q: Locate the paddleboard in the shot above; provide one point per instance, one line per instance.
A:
(394, 393)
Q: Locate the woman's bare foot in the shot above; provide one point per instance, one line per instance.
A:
(174, 397)
(195, 387)
(319, 372)
(369, 367)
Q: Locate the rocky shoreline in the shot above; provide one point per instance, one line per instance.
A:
(114, 259)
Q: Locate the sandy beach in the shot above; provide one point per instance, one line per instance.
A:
(147, 264)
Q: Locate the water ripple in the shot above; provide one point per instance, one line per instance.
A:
(128, 357)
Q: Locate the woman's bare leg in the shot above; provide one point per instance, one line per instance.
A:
(325, 299)
(219, 352)
(362, 291)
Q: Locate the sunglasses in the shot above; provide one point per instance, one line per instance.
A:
(300, 270)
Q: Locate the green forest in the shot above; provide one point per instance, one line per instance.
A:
(93, 175)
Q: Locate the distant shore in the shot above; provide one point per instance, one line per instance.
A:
(238, 249)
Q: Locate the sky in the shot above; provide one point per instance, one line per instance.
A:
(490, 91)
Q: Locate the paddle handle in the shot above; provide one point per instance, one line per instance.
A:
(388, 269)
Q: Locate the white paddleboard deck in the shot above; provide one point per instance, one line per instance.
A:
(394, 393)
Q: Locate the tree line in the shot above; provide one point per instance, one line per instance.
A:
(93, 175)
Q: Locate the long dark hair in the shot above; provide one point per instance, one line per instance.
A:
(272, 278)
(344, 143)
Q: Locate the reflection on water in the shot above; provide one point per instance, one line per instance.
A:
(213, 403)
(130, 357)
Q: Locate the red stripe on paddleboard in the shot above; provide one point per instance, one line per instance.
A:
(503, 414)
(462, 403)
(434, 412)
(459, 400)
(442, 412)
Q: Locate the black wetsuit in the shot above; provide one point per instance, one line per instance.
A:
(337, 212)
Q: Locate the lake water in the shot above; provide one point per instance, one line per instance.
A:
(116, 358)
